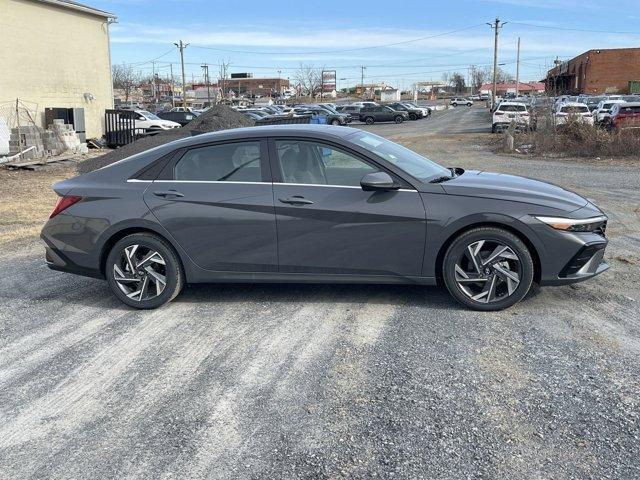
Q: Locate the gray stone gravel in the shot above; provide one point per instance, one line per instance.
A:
(311, 381)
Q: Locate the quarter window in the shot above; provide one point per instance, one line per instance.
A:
(230, 162)
(319, 164)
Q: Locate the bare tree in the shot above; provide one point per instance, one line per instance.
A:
(126, 79)
(309, 78)
(479, 77)
(458, 82)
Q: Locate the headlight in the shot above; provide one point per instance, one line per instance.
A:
(575, 225)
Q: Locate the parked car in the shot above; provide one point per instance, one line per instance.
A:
(205, 209)
(625, 115)
(184, 109)
(474, 98)
(365, 104)
(461, 101)
(381, 113)
(179, 117)
(351, 110)
(602, 113)
(414, 113)
(572, 111)
(149, 122)
(509, 113)
(426, 110)
(332, 118)
(593, 101)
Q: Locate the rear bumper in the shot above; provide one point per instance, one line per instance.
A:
(57, 260)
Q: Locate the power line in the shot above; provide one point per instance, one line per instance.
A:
(404, 42)
(574, 29)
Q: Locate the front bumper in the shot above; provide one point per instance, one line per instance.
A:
(587, 263)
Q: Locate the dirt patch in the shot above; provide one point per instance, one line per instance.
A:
(219, 117)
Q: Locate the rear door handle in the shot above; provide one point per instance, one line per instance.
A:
(168, 193)
(296, 200)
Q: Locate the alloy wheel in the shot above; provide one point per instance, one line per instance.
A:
(140, 272)
(488, 271)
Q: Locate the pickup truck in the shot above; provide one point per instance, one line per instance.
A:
(380, 113)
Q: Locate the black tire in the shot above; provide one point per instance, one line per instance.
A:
(174, 272)
(369, 120)
(469, 104)
(490, 234)
(493, 128)
(413, 116)
(335, 121)
(454, 104)
(398, 119)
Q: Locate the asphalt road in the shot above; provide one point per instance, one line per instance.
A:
(453, 121)
(268, 381)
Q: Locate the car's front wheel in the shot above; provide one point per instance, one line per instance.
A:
(398, 119)
(335, 121)
(488, 268)
(144, 271)
(369, 120)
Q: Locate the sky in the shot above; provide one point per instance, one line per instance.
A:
(399, 43)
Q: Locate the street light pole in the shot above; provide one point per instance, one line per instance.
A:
(518, 68)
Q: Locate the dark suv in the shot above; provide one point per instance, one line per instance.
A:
(370, 115)
(332, 118)
(414, 113)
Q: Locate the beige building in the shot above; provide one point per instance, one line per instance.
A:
(55, 53)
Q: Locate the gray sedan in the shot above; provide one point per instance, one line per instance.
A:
(315, 203)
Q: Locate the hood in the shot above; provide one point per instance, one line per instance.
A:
(514, 189)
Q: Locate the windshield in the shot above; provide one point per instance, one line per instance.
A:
(415, 165)
(149, 115)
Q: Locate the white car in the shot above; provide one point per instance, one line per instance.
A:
(603, 110)
(147, 121)
(508, 113)
(426, 111)
(365, 104)
(572, 111)
(461, 101)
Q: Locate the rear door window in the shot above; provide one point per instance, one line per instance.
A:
(229, 162)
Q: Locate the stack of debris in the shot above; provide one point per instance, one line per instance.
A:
(31, 141)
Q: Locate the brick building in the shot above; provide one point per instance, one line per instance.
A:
(264, 87)
(596, 72)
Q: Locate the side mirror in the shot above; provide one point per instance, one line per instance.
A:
(378, 181)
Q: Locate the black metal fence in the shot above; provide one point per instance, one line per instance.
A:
(120, 127)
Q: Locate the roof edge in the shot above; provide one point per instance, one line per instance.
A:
(79, 7)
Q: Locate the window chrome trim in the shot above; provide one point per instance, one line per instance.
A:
(135, 180)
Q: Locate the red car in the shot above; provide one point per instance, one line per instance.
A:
(625, 115)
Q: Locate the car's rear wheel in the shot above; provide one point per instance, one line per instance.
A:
(335, 121)
(144, 271)
(398, 119)
(488, 268)
(369, 120)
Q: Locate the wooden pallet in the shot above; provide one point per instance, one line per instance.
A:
(38, 163)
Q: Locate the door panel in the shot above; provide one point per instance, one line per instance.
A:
(328, 225)
(218, 208)
(349, 231)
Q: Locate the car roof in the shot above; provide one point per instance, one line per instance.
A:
(512, 103)
(629, 104)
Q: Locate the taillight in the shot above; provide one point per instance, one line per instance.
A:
(63, 203)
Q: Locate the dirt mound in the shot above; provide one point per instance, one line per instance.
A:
(218, 117)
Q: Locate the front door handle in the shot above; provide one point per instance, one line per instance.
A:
(168, 193)
(296, 200)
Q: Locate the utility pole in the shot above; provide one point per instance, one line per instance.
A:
(205, 68)
(496, 28)
(518, 68)
(362, 69)
(181, 46)
(173, 92)
(153, 84)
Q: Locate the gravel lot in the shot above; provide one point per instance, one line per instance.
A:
(307, 381)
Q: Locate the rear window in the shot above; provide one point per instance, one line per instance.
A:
(629, 110)
(512, 108)
(574, 109)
